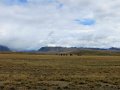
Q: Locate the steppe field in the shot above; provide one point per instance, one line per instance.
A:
(54, 72)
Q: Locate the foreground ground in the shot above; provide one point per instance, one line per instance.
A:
(52, 72)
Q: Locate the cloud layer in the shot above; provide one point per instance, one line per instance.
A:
(31, 24)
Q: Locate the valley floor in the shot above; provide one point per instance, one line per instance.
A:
(52, 72)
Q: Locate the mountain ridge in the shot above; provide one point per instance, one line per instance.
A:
(4, 48)
(63, 49)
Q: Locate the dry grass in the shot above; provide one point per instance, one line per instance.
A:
(52, 72)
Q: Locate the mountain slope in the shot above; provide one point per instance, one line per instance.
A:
(81, 51)
(56, 49)
(4, 48)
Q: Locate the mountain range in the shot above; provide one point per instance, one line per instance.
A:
(71, 49)
(61, 49)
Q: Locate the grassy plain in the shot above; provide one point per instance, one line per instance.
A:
(54, 72)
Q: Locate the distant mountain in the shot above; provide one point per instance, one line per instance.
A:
(74, 49)
(114, 49)
(65, 49)
(49, 49)
(4, 48)
(56, 49)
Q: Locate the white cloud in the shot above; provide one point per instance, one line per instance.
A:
(43, 22)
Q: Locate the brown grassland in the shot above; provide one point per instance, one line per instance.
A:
(54, 72)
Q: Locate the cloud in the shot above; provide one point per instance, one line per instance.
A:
(31, 24)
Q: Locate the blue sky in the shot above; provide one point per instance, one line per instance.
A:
(31, 24)
(86, 21)
(14, 2)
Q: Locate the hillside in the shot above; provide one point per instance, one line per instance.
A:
(81, 51)
(4, 48)
(56, 49)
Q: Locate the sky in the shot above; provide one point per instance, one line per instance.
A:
(31, 24)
